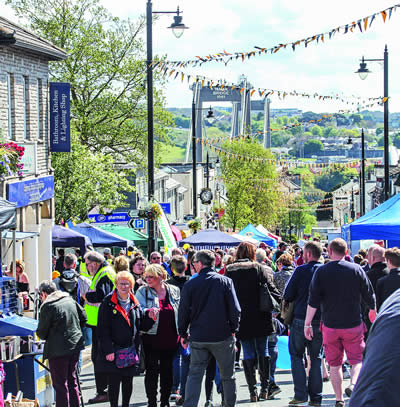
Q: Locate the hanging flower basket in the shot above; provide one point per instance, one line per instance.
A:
(151, 212)
(10, 159)
(195, 225)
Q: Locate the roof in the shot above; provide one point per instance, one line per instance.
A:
(172, 184)
(28, 41)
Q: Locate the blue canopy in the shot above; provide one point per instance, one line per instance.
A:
(64, 237)
(208, 239)
(382, 223)
(99, 237)
(252, 231)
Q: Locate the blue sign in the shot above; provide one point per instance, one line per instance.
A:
(60, 139)
(115, 217)
(25, 193)
(166, 207)
(139, 223)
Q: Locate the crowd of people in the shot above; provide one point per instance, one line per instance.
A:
(190, 313)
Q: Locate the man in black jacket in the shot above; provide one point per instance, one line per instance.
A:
(387, 285)
(210, 306)
(378, 267)
(60, 322)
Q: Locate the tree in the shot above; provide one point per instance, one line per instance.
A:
(313, 146)
(251, 184)
(326, 182)
(84, 180)
(381, 141)
(379, 130)
(316, 131)
(299, 216)
(396, 140)
(106, 69)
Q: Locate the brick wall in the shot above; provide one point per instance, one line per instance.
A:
(27, 71)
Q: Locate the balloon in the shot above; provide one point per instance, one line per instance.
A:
(283, 361)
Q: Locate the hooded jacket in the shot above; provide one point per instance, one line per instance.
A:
(60, 323)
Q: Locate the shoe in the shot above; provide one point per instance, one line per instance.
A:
(273, 390)
(295, 402)
(349, 390)
(173, 396)
(99, 398)
(208, 403)
(314, 402)
(340, 404)
(253, 397)
(263, 395)
(179, 401)
(237, 366)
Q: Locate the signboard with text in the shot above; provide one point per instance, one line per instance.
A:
(60, 138)
(25, 193)
(29, 159)
(166, 207)
(113, 218)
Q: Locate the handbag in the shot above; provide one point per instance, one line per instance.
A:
(127, 357)
(287, 311)
(267, 303)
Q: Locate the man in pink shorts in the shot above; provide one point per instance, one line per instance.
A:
(338, 288)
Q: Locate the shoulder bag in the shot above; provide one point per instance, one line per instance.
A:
(267, 303)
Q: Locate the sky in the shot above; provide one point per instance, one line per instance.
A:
(237, 25)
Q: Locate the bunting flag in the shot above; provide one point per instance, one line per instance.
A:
(361, 24)
(359, 101)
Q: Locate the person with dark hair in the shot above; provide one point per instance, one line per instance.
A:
(338, 288)
(210, 312)
(255, 325)
(60, 324)
(282, 246)
(296, 291)
(388, 284)
(137, 266)
(60, 261)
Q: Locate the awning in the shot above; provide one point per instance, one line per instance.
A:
(182, 189)
(8, 235)
(15, 325)
(171, 184)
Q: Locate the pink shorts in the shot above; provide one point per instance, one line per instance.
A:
(337, 341)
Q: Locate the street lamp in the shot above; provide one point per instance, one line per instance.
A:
(210, 115)
(177, 28)
(363, 73)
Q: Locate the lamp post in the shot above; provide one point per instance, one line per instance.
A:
(177, 28)
(363, 72)
(210, 115)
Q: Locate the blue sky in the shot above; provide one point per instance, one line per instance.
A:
(237, 25)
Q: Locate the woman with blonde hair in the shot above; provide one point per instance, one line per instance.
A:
(121, 263)
(160, 301)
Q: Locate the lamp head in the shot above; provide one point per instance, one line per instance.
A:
(350, 141)
(177, 26)
(363, 71)
(210, 113)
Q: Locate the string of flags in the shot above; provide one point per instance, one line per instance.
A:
(264, 92)
(361, 24)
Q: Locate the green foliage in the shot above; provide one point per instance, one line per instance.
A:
(313, 146)
(396, 140)
(253, 195)
(326, 182)
(316, 131)
(84, 180)
(379, 130)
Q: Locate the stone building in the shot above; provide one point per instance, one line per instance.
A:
(24, 119)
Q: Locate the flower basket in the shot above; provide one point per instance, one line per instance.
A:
(151, 212)
(10, 159)
(195, 225)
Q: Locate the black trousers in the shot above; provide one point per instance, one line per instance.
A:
(114, 383)
(158, 364)
(100, 378)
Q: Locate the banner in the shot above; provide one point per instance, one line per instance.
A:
(166, 232)
(60, 138)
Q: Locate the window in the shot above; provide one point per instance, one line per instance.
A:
(26, 108)
(39, 103)
(11, 106)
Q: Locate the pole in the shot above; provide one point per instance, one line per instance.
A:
(194, 164)
(268, 144)
(208, 171)
(362, 179)
(386, 119)
(353, 212)
(150, 127)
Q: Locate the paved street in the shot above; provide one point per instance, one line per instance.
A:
(284, 380)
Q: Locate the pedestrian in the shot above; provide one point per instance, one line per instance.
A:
(103, 277)
(388, 284)
(209, 314)
(60, 260)
(255, 325)
(108, 256)
(137, 266)
(338, 288)
(285, 270)
(120, 321)
(279, 329)
(161, 302)
(379, 381)
(121, 263)
(377, 263)
(60, 324)
(296, 291)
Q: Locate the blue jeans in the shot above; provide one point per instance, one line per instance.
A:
(273, 354)
(255, 347)
(297, 346)
(180, 367)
